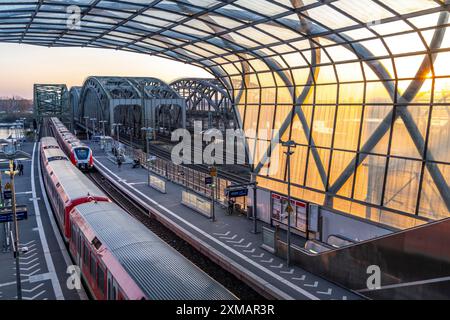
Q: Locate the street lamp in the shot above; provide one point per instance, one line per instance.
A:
(86, 118)
(11, 157)
(148, 132)
(93, 125)
(289, 145)
(23, 127)
(4, 143)
(117, 126)
(103, 122)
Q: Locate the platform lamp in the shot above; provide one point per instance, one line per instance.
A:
(148, 136)
(3, 143)
(94, 129)
(117, 127)
(289, 145)
(22, 121)
(103, 122)
(86, 119)
(17, 155)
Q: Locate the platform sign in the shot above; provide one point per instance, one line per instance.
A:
(296, 210)
(208, 181)
(7, 194)
(237, 193)
(6, 214)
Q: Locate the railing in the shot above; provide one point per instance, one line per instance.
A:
(189, 178)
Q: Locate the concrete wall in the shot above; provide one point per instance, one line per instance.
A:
(338, 224)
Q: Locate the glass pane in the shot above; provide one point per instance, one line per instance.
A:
(341, 160)
(369, 179)
(439, 141)
(402, 185)
(314, 178)
(377, 119)
(347, 127)
(402, 142)
(432, 203)
(323, 125)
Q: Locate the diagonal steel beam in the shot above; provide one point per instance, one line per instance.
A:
(316, 58)
(413, 130)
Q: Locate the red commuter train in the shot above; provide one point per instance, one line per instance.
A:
(66, 185)
(80, 155)
(119, 258)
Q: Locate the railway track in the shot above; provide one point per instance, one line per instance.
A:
(240, 178)
(233, 177)
(240, 289)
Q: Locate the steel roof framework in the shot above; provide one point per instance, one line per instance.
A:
(271, 55)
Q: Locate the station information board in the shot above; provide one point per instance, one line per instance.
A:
(6, 214)
(279, 212)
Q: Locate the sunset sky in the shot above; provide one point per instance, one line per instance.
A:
(22, 65)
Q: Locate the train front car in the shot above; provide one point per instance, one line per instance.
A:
(120, 258)
(66, 186)
(81, 156)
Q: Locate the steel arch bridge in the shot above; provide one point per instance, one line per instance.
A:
(51, 100)
(131, 102)
(207, 100)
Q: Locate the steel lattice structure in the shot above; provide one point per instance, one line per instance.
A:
(133, 102)
(51, 100)
(361, 85)
(207, 100)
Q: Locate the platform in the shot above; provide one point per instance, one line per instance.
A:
(44, 266)
(228, 240)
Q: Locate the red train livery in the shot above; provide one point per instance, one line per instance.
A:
(119, 258)
(66, 185)
(80, 155)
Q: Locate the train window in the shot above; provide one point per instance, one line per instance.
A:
(82, 153)
(93, 266)
(109, 288)
(96, 243)
(86, 255)
(101, 279)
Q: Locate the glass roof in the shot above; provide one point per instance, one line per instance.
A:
(362, 86)
(217, 34)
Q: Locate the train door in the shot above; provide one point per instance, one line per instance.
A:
(79, 242)
(112, 290)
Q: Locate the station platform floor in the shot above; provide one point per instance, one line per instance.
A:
(227, 241)
(44, 267)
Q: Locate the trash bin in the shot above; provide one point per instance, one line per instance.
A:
(250, 212)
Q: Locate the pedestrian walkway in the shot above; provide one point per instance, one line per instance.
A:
(228, 241)
(43, 267)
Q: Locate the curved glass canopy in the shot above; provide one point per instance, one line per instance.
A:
(362, 86)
